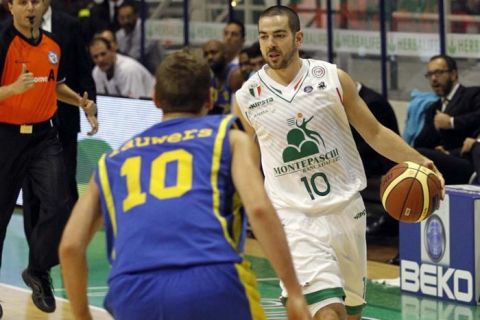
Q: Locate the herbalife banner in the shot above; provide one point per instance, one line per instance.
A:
(170, 32)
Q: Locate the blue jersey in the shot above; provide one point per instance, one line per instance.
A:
(168, 199)
(222, 92)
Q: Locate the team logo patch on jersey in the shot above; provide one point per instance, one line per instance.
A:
(322, 85)
(255, 90)
(318, 72)
(308, 89)
(52, 57)
(306, 149)
(302, 142)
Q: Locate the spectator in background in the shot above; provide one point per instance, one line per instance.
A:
(250, 61)
(104, 14)
(256, 59)
(233, 39)
(449, 121)
(242, 73)
(119, 75)
(214, 52)
(109, 35)
(129, 37)
(4, 13)
(77, 70)
(244, 65)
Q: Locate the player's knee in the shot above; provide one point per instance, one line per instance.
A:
(335, 311)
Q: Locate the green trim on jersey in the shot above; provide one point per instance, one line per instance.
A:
(275, 91)
(317, 296)
(321, 295)
(355, 310)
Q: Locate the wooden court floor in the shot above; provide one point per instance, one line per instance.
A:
(384, 302)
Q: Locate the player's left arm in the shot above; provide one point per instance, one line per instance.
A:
(85, 220)
(380, 138)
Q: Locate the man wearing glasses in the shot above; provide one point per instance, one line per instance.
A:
(450, 121)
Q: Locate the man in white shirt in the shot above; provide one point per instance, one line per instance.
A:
(233, 38)
(119, 75)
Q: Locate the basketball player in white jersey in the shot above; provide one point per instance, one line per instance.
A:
(300, 112)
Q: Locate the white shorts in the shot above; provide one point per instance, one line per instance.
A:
(329, 254)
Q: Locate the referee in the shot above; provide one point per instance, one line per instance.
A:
(31, 80)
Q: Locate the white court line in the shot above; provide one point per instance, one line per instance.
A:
(88, 288)
(267, 279)
(57, 298)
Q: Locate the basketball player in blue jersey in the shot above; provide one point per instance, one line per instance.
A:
(167, 200)
(300, 111)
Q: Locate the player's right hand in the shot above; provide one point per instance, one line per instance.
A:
(430, 165)
(24, 81)
(297, 308)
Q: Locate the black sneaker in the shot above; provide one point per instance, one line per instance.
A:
(41, 285)
(1, 311)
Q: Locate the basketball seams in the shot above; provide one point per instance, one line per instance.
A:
(402, 187)
(407, 174)
(423, 179)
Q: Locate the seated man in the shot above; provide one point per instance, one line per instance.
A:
(449, 121)
(118, 75)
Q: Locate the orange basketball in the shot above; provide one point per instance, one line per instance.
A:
(410, 192)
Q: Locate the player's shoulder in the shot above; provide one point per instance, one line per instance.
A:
(319, 67)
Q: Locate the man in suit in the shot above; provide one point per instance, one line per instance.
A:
(4, 14)
(77, 69)
(449, 121)
(104, 15)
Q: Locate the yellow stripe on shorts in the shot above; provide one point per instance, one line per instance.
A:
(247, 278)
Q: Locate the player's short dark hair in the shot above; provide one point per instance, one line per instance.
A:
(293, 19)
(451, 63)
(239, 24)
(182, 82)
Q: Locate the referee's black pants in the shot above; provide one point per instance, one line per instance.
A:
(36, 157)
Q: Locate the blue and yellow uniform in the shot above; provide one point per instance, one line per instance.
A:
(173, 235)
(222, 92)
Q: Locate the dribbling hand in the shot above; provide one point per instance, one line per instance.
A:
(430, 165)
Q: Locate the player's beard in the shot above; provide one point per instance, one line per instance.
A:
(284, 60)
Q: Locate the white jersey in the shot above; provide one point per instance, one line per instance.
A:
(130, 79)
(309, 157)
